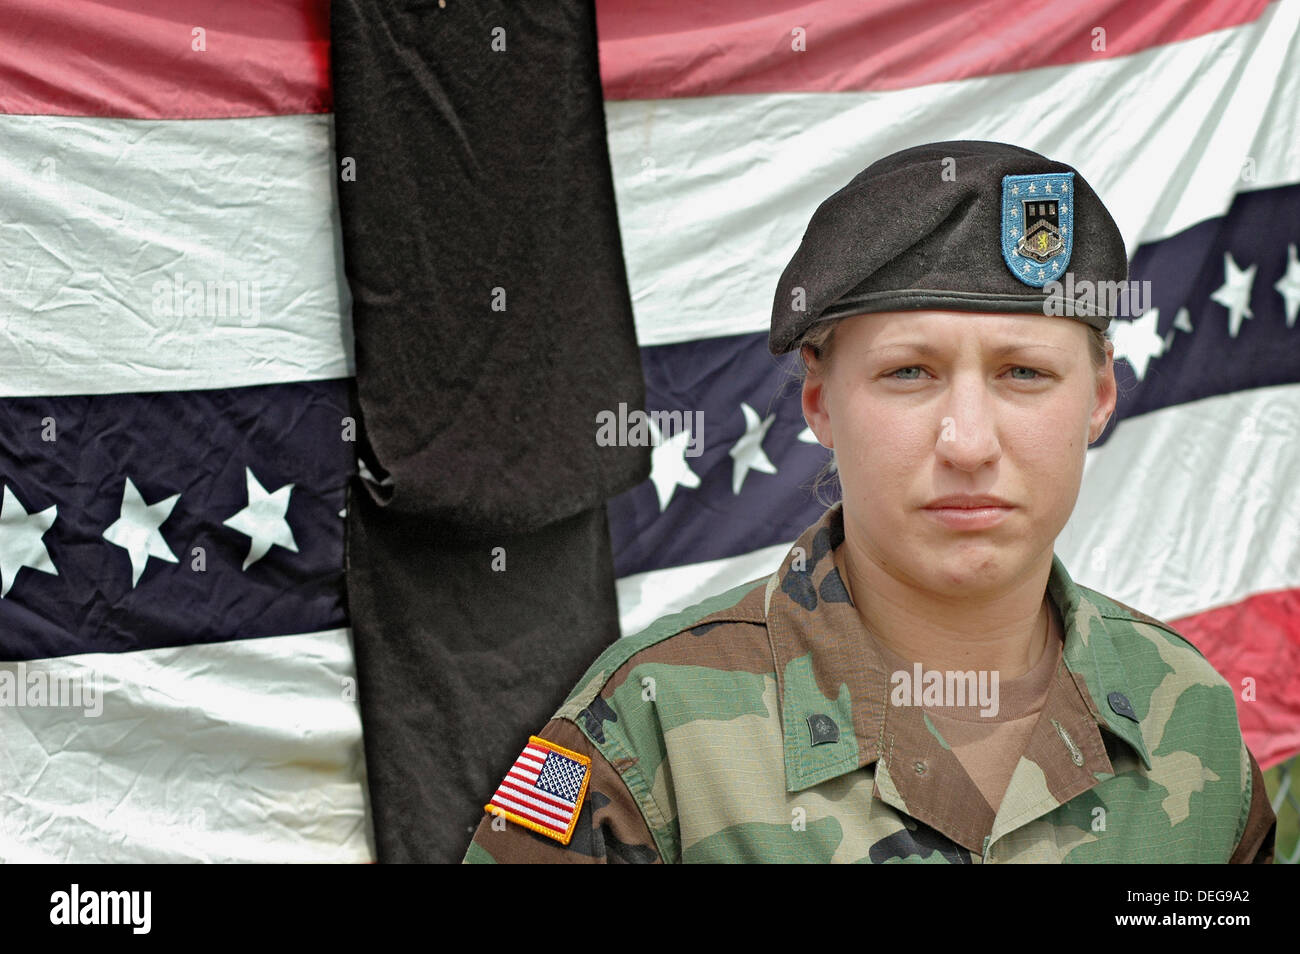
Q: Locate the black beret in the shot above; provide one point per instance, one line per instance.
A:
(954, 226)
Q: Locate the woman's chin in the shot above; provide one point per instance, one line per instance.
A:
(970, 567)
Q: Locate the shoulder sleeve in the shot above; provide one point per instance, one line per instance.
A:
(609, 829)
(1256, 843)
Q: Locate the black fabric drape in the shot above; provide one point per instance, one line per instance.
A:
(458, 663)
(483, 177)
(475, 173)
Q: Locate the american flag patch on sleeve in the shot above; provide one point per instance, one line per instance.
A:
(544, 789)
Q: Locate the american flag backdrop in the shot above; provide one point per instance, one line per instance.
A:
(174, 362)
(726, 131)
(176, 353)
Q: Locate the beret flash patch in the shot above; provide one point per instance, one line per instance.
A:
(1038, 225)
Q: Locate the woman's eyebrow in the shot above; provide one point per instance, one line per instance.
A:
(929, 350)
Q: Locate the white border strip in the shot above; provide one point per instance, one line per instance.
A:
(94, 212)
(247, 751)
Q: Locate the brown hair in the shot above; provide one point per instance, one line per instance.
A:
(820, 338)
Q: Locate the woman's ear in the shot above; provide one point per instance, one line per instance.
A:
(1107, 393)
(814, 398)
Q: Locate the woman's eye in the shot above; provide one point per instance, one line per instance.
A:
(913, 373)
(905, 377)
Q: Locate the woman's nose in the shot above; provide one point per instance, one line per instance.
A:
(967, 431)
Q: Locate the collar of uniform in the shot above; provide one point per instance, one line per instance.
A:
(831, 682)
(1091, 658)
(828, 668)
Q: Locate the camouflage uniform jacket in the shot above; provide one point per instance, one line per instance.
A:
(757, 726)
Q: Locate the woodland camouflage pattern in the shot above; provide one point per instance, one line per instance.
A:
(702, 749)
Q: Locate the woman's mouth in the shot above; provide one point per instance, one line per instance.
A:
(969, 511)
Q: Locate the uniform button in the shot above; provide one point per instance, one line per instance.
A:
(921, 767)
(1121, 706)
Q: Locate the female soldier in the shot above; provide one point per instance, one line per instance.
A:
(920, 680)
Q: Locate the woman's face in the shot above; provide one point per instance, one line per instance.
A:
(927, 404)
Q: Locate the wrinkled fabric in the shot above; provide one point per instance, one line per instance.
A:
(481, 244)
(492, 324)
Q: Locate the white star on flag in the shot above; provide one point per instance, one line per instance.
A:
(748, 451)
(1288, 286)
(1234, 293)
(20, 539)
(668, 467)
(136, 529)
(263, 520)
(1138, 342)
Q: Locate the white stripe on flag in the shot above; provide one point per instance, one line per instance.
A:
(560, 809)
(96, 211)
(525, 771)
(1193, 506)
(521, 808)
(554, 802)
(714, 193)
(243, 751)
(527, 779)
(644, 597)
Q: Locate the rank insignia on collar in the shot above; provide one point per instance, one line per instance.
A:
(823, 728)
(1038, 225)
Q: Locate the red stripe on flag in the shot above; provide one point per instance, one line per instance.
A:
(522, 808)
(137, 60)
(558, 807)
(506, 797)
(1257, 639)
(657, 49)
